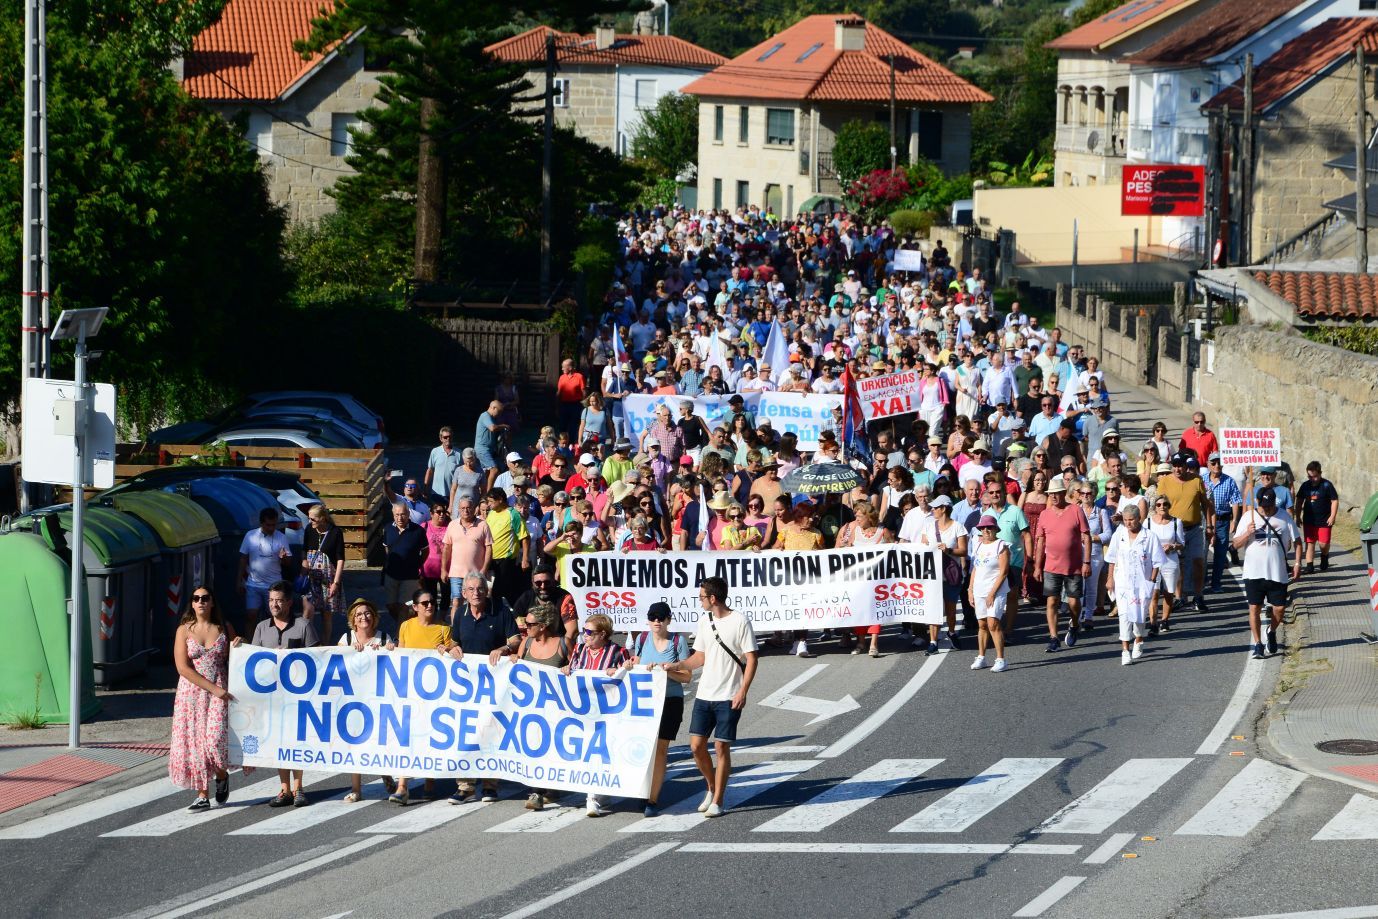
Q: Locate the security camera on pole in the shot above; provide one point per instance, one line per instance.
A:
(69, 439)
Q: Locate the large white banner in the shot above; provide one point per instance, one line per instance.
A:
(889, 395)
(827, 589)
(804, 415)
(419, 713)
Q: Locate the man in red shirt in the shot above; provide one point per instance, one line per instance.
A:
(1199, 439)
(1062, 558)
(570, 392)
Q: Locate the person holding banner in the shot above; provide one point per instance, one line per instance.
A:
(283, 629)
(725, 650)
(199, 745)
(659, 646)
(950, 538)
(422, 631)
(361, 636)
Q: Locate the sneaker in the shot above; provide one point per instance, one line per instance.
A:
(283, 799)
(954, 641)
(200, 804)
(919, 643)
(1165, 626)
(1201, 606)
(979, 663)
(1071, 639)
(462, 797)
(1272, 638)
(1126, 658)
(715, 810)
(856, 650)
(650, 810)
(398, 797)
(594, 809)
(932, 649)
(803, 650)
(534, 802)
(222, 790)
(1054, 645)
(707, 802)
(490, 793)
(1138, 651)
(300, 799)
(1154, 628)
(1000, 665)
(1257, 653)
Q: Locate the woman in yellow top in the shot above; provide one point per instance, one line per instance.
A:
(798, 533)
(738, 534)
(421, 631)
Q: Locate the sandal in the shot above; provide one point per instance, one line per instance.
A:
(283, 799)
(353, 798)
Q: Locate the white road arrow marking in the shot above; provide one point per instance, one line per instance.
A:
(784, 697)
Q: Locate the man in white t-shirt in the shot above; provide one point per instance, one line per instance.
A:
(261, 554)
(1267, 538)
(725, 647)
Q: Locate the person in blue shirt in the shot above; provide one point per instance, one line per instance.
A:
(1266, 477)
(487, 435)
(1229, 502)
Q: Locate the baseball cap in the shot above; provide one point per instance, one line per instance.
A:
(1266, 495)
(1179, 459)
(514, 457)
(1268, 470)
(587, 459)
(940, 501)
(796, 368)
(658, 610)
(1213, 457)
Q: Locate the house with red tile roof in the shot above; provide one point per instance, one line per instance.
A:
(1304, 110)
(298, 113)
(605, 80)
(1093, 120)
(768, 118)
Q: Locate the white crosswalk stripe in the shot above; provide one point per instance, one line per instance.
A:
(1114, 797)
(848, 796)
(297, 819)
(547, 820)
(92, 811)
(183, 819)
(1255, 792)
(744, 786)
(419, 819)
(959, 809)
(1356, 820)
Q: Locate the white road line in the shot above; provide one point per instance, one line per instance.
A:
(1107, 849)
(330, 858)
(1255, 792)
(1244, 691)
(549, 820)
(1356, 820)
(848, 796)
(426, 817)
(1114, 797)
(873, 848)
(573, 890)
(960, 808)
(295, 819)
(876, 719)
(1041, 903)
(91, 811)
(1343, 912)
(742, 787)
(182, 819)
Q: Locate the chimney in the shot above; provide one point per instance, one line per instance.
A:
(849, 34)
(603, 37)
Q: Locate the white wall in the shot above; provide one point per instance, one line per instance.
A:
(667, 80)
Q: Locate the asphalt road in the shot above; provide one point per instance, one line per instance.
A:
(868, 813)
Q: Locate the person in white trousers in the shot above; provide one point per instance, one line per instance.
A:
(1132, 559)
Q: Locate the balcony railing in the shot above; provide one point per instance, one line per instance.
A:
(1098, 139)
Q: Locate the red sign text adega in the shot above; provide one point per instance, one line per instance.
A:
(1163, 191)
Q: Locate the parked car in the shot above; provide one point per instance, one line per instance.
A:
(341, 409)
(341, 405)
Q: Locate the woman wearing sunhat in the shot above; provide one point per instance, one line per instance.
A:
(988, 589)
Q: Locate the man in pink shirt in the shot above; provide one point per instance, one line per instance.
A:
(1062, 557)
(468, 546)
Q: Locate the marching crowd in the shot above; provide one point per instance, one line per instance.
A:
(1014, 467)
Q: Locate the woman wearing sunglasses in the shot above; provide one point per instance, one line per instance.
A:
(1168, 530)
(655, 646)
(199, 747)
(422, 631)
(597, 651)
(363, 635)
(544, 644)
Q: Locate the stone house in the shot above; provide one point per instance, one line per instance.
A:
(1305, 113)
(768, 118)
(604, 81)
(297, 113)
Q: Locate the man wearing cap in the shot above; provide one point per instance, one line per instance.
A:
(1191, 504)
(1098, 423)
(616, 467)
(584, 472)
(515, 467)
(1062, 560)
(1267, 478)
(1228, 501)
(442, 463)
(1199, 439)
(1267, 538)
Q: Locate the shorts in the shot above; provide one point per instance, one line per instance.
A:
(1257, 590)
(716, 718)
(398, 591)
(485, 459)
(671, 717)
(994, 610)
(1062, 586)
(1194, 544)
(1168, 578)
(951, 592)
(1316, 534)
(255, 597)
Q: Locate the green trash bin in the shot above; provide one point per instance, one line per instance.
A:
(186, 540)
(35, 632)
(121, 552)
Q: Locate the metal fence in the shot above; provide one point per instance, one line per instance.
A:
(1172, 348)
(1113, 320)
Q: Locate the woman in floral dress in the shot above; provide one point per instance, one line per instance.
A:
(200, 713)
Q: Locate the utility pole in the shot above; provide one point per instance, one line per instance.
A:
(894, 152)
(1213, 188)
(36, 350)
(547, 208)
(1361, 168)
(430, 199)
(1246, 167)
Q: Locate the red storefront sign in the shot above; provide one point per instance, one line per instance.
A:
(1163, 191)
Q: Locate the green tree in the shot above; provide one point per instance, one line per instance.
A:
(157, 209)
(666, 138)
(860, 147)
(1024, 113)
